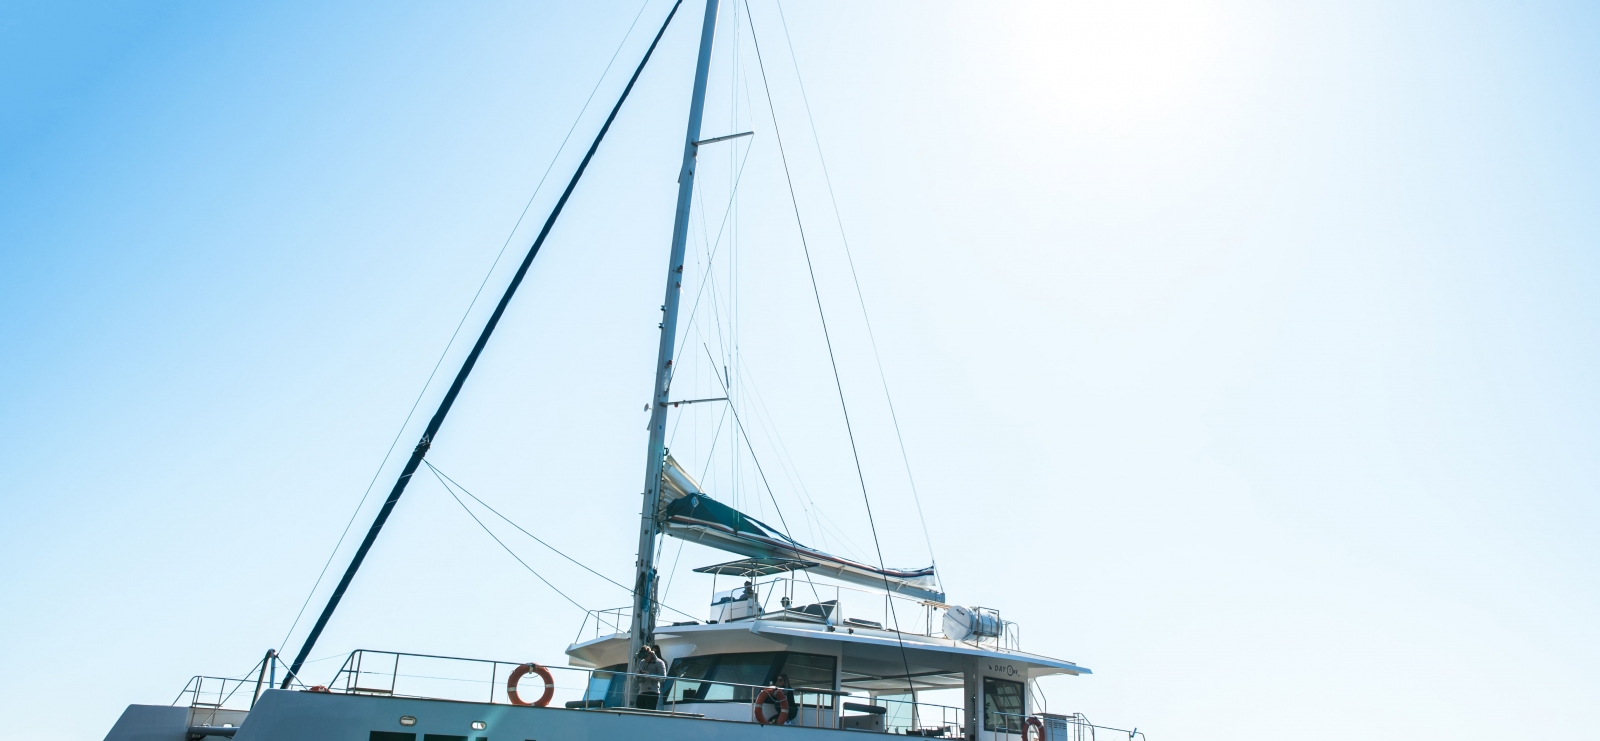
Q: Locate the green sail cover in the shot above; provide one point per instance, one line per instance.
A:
(700, 518)
(704, 508)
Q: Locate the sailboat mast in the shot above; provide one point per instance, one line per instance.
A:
(643, 626)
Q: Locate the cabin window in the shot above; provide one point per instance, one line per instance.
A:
(740, 670)
(606, 686)
(734, 677)
(810, 671)
(1002, 705)
(694, 667)
(391, 736)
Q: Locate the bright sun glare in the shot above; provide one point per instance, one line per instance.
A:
(1116, 61)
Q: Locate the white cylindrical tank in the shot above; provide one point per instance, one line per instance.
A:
(968, 623)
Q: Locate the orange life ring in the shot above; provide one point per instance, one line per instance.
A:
(522, 671)
(776, 696)
(1032, 721)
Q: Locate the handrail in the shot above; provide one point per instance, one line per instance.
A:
(817, 706)
(881, 605)
(886, 605)
(1079, 721)
(199, 691)
(619, 615)
(196, 687)
(904, 716)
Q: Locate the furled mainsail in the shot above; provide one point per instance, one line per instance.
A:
(691, 514)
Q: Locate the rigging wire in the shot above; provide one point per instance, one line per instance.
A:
(701, 246)
(536, 538)
(712, 248)
(734, 258)
(453, 335)
(792, 469)
(497, 539)
(711, 254)
(860, 296)
(740, 424)
(524, 531)
(785, 461)
(673, 573)
(832, 361)
(693, 308)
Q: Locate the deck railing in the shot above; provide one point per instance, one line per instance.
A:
(235, 693)
(1075, 727)
(221, 693)
(916, 718)
(392, 674)
(423, 676)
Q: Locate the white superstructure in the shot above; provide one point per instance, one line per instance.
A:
(848, 670)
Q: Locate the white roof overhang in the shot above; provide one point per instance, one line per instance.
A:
(925, 651)
(870, 653)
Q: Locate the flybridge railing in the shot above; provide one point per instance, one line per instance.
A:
(800, 599)
(604, 623)
(851, 608)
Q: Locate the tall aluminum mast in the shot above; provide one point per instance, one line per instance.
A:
(644, 586)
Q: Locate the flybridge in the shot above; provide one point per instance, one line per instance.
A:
(687, 512)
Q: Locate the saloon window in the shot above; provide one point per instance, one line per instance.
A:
(739, 671)
(1002, 705)
(694, 667)
(735, 677)
(810, 671)
(606, 687)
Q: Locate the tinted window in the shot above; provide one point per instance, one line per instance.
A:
(1002, 705)
(391, 736)
(694, 667)
(741, 670)
(735, 677)
(607, 686)
(810, 671)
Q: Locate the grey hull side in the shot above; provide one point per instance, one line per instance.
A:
(151, 723)
(307, 716)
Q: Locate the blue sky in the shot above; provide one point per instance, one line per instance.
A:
(1244, 352)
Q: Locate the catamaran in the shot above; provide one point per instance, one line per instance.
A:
(802, 643)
